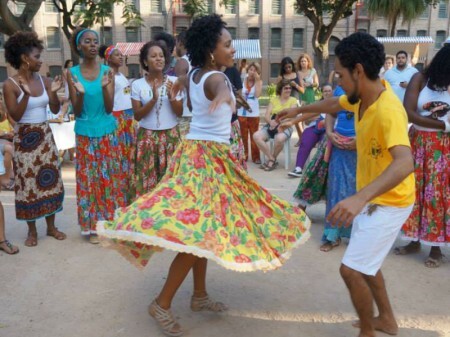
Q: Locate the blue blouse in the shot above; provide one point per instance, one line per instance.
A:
(345, 124)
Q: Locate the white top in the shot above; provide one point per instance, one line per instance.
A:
(214, 126)
(427, 95)
(252, 102)
(395, 76)
(142, 92)
(122, 93)
(51, 115)
(186, 111)
(36, 110)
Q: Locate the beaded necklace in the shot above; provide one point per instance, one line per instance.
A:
(159, 103)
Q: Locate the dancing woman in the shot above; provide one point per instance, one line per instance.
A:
(91, 88)
(206, 206)
(38, 185)
(126, 131)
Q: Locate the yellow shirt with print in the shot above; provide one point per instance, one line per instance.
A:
(5, 126)
(383, 126)
(277, 106)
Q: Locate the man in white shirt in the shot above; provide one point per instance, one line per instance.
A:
(400, 75)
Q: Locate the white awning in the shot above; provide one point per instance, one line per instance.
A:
(129, 48)
(415, 46)
(247, 49)
(406, 39)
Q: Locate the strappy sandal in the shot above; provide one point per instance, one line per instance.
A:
(55, 233)
(271, 167)
(31, 240)
(165, 320)
(9, 249)
(206, 304)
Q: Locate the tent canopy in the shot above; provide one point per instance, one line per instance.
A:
(245, 49)
(416, 46)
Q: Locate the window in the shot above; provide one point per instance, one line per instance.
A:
(133, 70)
(253, 7)
(426, 13)
(362, 30)
(50, 7)
(3, 74)
(155, 6)
(275, 38)
(54, 71)
(232, 31)
(253, 33)
(363, 10)
(421, 33)
(131, 34)
(276, 7)
(210, 6)
(440, 38)
(53, 37)
(442, 13)
(297, 38)
(156, 30)
(230, 8)
(106, 36)
(20, 6)
(402, 33)
(274, 69)
(381, 33)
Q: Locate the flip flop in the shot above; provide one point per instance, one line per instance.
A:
(9, 249)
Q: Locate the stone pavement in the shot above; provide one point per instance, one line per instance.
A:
(72, 288)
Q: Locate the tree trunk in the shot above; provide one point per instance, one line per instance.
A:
(320, 41)
(394, 23)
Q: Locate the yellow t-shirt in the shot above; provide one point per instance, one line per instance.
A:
(383, 126)
(5, 126)
(277, 106)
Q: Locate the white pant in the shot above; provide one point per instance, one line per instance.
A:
(373, 236)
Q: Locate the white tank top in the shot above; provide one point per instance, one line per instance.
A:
(186, 111)
(252, 102)
(205, 125)
(427, 95)
(36, 110)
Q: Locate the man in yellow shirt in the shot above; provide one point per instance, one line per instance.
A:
(384, 179)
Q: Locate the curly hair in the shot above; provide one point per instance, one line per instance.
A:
(438, 71)
(284, 61)
(168, 40)
(202, 38)
(143, 54)
(21, 43)
(281, 85)
(364, 49)
(308, 58)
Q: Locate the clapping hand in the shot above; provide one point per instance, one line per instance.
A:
(107, 78)
(169, 86)
(57, 84)
(77, 85)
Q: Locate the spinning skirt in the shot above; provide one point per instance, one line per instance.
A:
(237, 145)
(38, 185)
(208, 206)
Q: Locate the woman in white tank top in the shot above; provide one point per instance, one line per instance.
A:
(39, 189)
(427, 102)
(206, 206)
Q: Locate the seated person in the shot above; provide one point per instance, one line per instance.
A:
(283, 100)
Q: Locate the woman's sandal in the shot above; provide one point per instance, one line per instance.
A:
(55, 233)
(206, 304)
(31, 240)
(165, 320)
(329, 245)
(271, 165)
(8, 247)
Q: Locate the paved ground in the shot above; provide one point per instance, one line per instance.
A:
(72, 288)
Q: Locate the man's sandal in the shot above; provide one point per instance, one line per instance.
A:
(55, 233)
(329, 245)
(206, 304)
(8, 247)
(165, 320)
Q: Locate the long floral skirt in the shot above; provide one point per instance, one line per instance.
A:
(208, 206)
(99, 176)
(429, 221)
(126, 134)
(313, 184)
(341, 183)
(38, 186)
(154, 149)
(237, 145)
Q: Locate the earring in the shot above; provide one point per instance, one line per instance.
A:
(213, 61)
(28, 65)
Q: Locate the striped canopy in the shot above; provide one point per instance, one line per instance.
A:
(406, 39)
(415, 46)
(129, 48)
(247, 49)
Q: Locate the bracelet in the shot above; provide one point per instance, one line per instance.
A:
(447, 126)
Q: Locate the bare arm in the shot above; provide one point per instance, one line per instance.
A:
(416, 84)
(11, 92)
(141, 110)
(52, 88)
(329, 105)
(181, 67)
(108, 83)
(76, 94)
(218, 91)
(258, 88)
(401, 166)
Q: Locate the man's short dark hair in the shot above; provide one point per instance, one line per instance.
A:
(364, 49)
(401, 52)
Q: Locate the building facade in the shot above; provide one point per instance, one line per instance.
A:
(281, 31)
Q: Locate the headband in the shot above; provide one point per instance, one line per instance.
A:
(108, 52)
(77, 40)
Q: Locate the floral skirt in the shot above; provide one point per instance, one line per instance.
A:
(429, 221)
(237, 145)
(38, 186)
(312, 186)
(99, 177)
(341, 184)
(126, 134)
(208, 206)
(154, 150)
